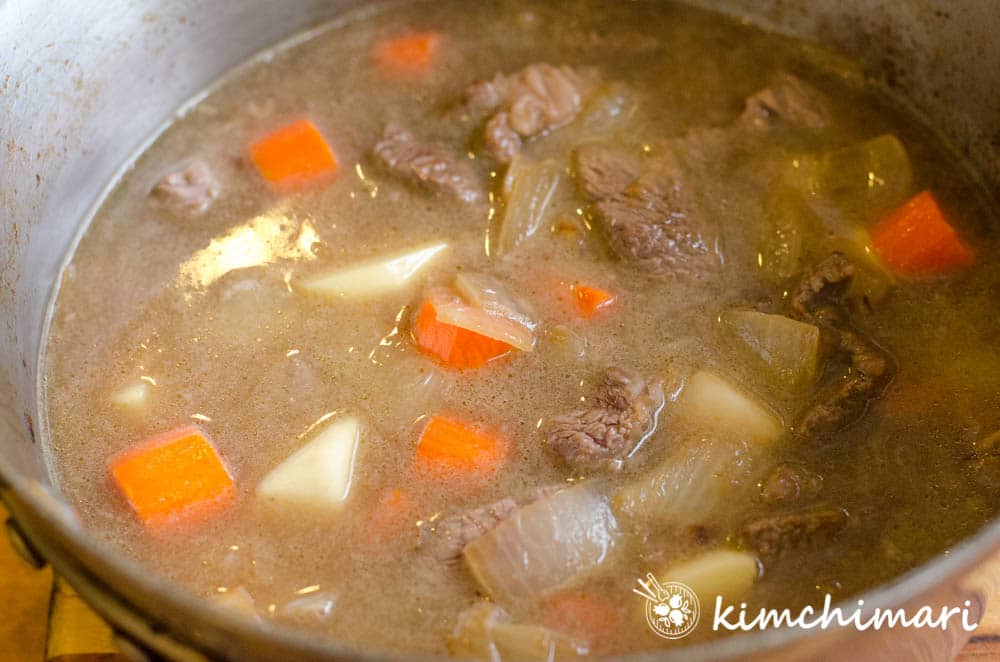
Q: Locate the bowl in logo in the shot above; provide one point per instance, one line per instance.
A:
(674, 612)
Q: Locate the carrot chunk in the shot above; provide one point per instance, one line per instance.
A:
(454, 346)
(293, 155)
(447, 446)
(176, 475)
(917, 240)
(390, 516)
(583, 615)
(409, 55)
(590, 300)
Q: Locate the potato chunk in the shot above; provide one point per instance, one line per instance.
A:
(719, 572)
(318, 475)
(710, 402)
(370, 279)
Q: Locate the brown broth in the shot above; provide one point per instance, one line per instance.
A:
(255, 363)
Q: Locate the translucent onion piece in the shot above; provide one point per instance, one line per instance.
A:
(133, 396)
(569, 344)
(691, 485)
(713, 470)
(608, 110)
(528, 191)
(492, 296)
(868, 178)
(607, 115)
(484, 632)
(857, 183)
(872, 279)
(313, 609)
(451, 309)
(237, 601)
(544, 544)
(788, 222)
(787, 350)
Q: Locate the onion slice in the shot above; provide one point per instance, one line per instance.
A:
(485, 308)
(691, 484)
(528, 192)
(544, 544)
(485, 632)
(785, 350)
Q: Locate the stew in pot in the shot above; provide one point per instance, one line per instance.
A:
(436, 331)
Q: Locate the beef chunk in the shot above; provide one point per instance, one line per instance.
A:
(604, 173)
(448, 537)
(824, 284)
(773, 536)
(427, 163)
(529, 103)
(543, 492)
(787, 103)
(698, 535)
(647, 214)
(868, 368)
(484, 96)
(189, 190)
(790, 482)
(622, 413)
(502, 141)
(846, 400)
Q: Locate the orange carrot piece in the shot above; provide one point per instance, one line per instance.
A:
(407, 56)
(293, 155)
(454, 346)
(590, 300)
(917, 240)
(390, 515)
(176, 475)
(446, 446)
(582, 615)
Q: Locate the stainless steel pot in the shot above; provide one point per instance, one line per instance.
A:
(84, 85)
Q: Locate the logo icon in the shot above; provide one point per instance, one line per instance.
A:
(672, 608)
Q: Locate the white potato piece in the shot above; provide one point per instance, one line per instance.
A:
(719, 572)
(712, 403)
(133, 396)
(318, 475)
(373, 278)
